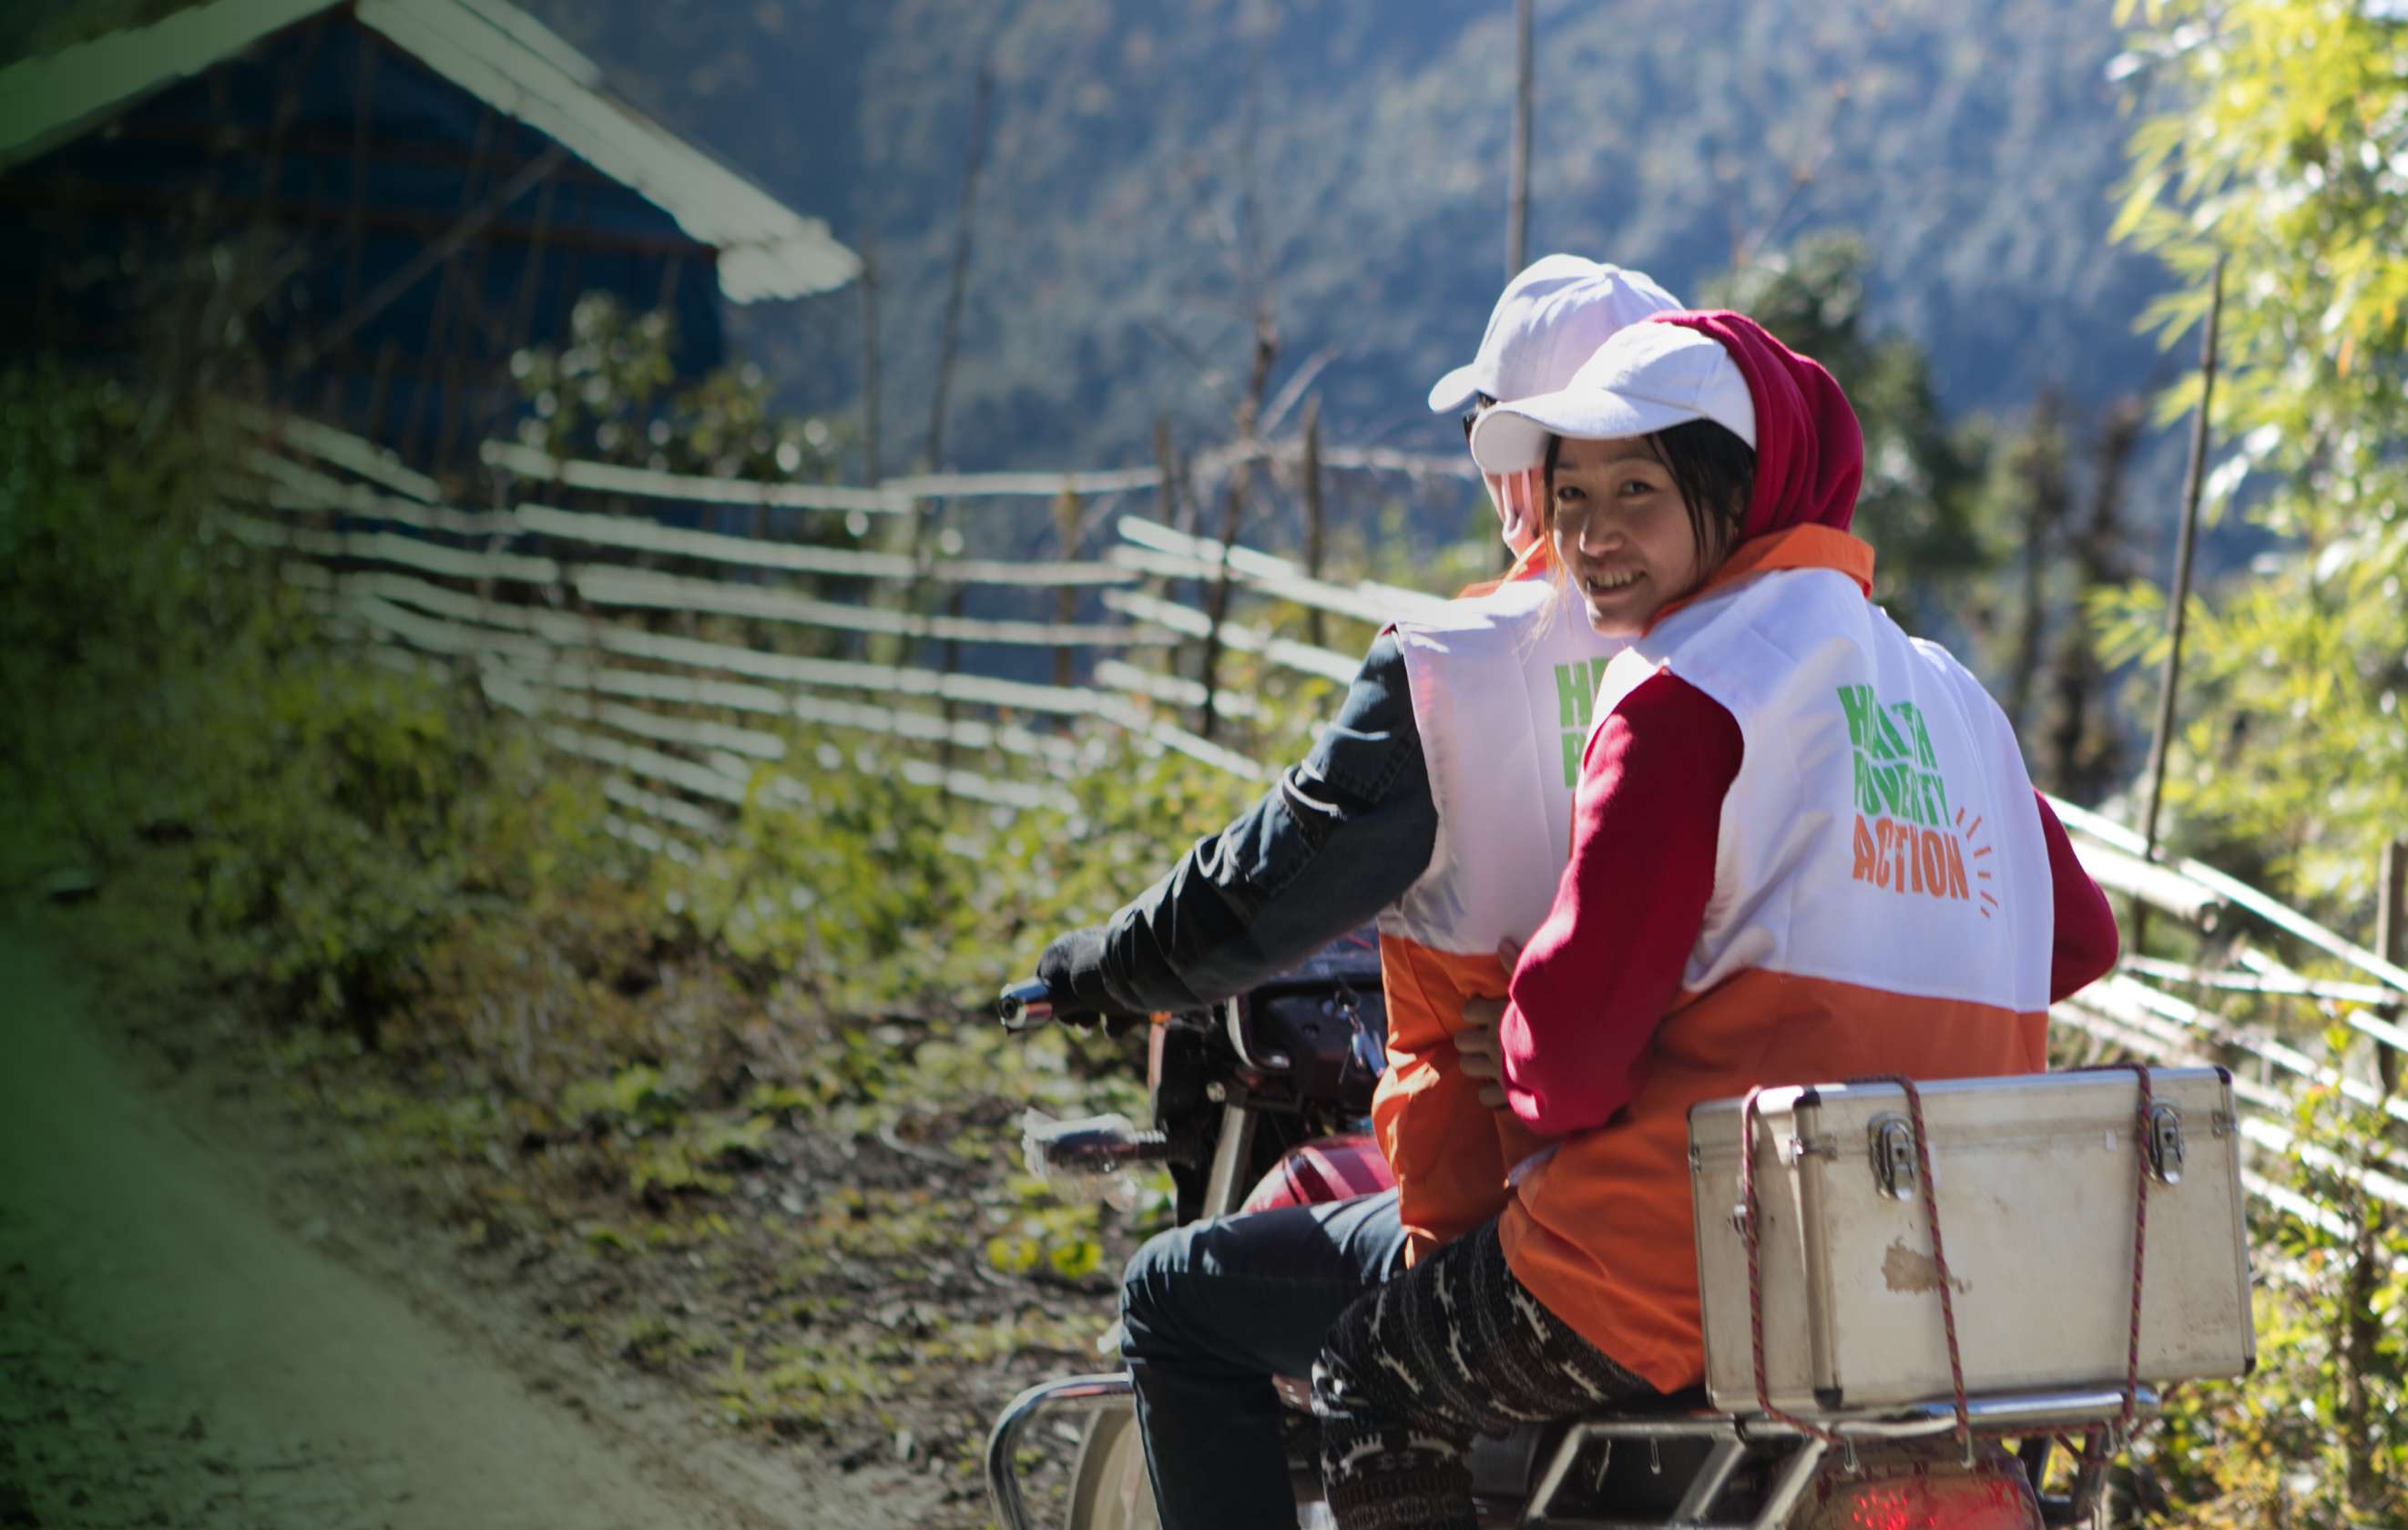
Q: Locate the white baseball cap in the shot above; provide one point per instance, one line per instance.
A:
(1549, 320)
(1645, 378)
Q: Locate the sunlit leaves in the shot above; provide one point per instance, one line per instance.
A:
(2288, 155)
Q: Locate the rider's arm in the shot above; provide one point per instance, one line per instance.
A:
(2086, 942)
(1341, 836)
(1602, 971)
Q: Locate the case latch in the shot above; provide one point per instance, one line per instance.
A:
(2166, 1144)
(1893, 1148)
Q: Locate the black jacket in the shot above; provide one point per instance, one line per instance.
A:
(1338, 839)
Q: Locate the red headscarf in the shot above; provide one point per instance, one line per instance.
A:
(1810, 451)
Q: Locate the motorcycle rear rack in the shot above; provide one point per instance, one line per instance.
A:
(1732, 1436)
(1072, 1395)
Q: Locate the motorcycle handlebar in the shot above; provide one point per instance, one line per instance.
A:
(1024, 1006)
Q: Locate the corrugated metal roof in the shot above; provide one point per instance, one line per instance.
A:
(490, 49)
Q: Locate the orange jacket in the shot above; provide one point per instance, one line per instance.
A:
(1805, 966)
(1501, 686)
(1450, 1152)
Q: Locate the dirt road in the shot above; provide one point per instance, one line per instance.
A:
(178, 1349)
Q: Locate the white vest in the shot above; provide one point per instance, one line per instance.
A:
(1880, 831)
(1502, 689)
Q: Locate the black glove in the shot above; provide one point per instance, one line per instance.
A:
(1072, 970)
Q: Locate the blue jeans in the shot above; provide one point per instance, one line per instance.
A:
(1212, 1311)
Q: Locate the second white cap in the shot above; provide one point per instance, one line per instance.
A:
(1645, 378)
(1551, 316)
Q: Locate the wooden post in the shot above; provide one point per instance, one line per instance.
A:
(1066, 597)
(2359, 1328)
(2170, 678)
(948, 350)
(1171, 495)
(872, 466)
(387, 354)
(438, 324)
(263, 231)
(1233, 516)
(953, 666)
(965, 223)
(1169, 511)
(2391, 940)
(873, 451)
(2039, 472)
(1517, 221)
(523, 306)
(1166, 493)
(1314, 531)
(1186, 515)
(2083, 742)
(2193, 476)
(363, 97)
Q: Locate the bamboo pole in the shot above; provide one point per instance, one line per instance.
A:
(929, 524)
(438, 324)
(1315, 532)
(1233, 516)
(2391, 938)
(1067, 516)
(1518, 221)
(1233, 513)
(871, 461)
(363, 98)
(2170, 678)
(964, 225)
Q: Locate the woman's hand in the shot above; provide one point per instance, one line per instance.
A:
(1481, 1055)
(1477, 1051)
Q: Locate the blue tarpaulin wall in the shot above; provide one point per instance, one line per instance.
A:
(334, 160)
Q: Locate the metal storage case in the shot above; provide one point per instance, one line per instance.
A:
(2034, 1183)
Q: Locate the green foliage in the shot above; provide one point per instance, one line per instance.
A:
(1922, 498)
(634, 1095)
(2318, 1437)
(110, 590)
(2282, 158)
(881, 893)
(338, 815)
(609, 394)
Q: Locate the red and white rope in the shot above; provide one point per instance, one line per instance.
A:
(1750, 1220)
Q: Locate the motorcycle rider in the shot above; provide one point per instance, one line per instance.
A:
(1439, 801)
(1847, 873)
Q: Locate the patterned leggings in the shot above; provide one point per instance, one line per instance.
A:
(1452, 1347)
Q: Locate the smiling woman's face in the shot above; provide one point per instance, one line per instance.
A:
(1621, 532)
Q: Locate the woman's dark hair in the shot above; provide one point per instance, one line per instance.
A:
(1714, 470)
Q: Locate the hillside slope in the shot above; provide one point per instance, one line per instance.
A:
(1145, 158)
(1976, 147)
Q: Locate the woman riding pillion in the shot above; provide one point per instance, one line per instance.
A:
(1438, 801)
(1805, 848)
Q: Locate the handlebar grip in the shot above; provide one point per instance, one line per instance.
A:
(1024, 1006)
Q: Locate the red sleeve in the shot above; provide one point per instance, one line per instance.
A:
(2087, 943)
(1602, 970)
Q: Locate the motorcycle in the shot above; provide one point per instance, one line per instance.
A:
(1263, 1100)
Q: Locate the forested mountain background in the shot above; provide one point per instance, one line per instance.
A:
(1151, 169)
(1147, 165)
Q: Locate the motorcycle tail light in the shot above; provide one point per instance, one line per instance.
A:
(1925, 1488)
